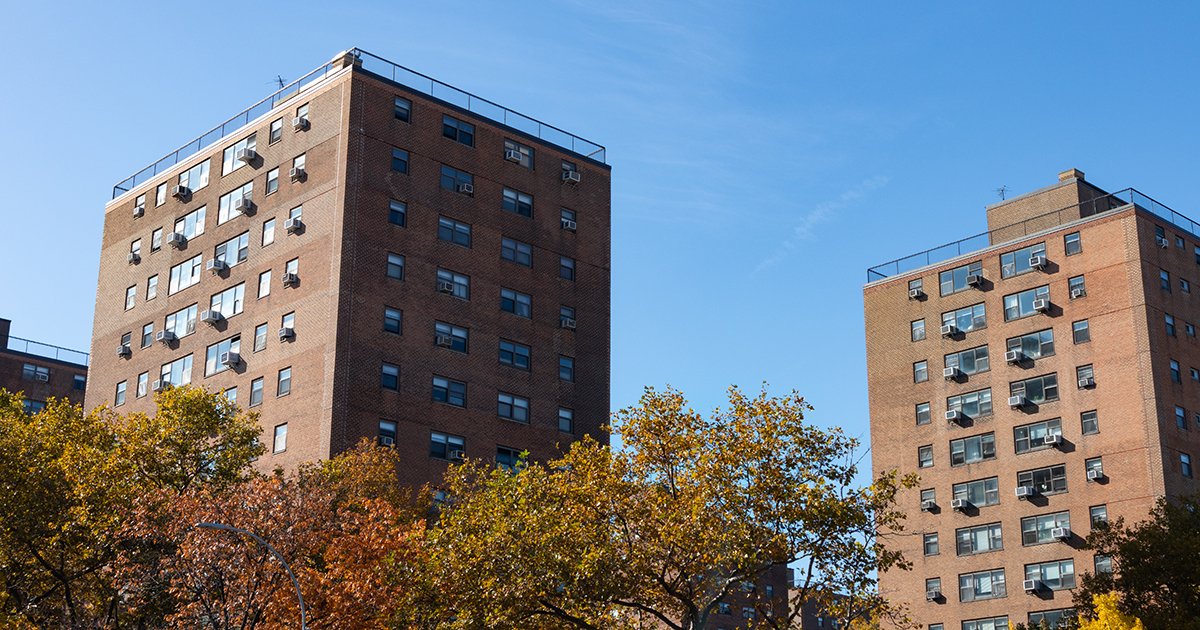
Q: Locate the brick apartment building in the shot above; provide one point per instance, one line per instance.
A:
(40, 371)
(1039, 377)
(368, 253)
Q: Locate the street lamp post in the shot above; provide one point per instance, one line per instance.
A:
(303, 622)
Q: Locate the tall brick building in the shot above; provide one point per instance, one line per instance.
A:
(368, 253)
(40, 371)
(1039, 377)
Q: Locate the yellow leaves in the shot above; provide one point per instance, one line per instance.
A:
(1106, 616)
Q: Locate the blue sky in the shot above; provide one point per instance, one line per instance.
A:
(764, 154)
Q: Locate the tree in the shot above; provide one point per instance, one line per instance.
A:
(691, 513)
(1108, 617)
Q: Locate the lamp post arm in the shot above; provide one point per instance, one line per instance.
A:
(295, 583)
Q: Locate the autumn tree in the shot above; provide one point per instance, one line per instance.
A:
(691, 513)
(1106, 616)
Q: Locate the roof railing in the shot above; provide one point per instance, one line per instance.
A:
(37, 348)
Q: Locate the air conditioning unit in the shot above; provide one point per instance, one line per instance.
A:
(1095, 474)
(286, 333)
(1162, 242)
(1078, 293)
(1032, 586)
(299, 122)
(1014, 356)
(210, 317)
(928, 505)
(512, 156)
(139, 211)
(386, 441)
(179, 192)
(1024, 492)
(570, 177)
(175, 239)
(42, 377)
(949, 329)
(466, 189)
(230, 359)
(164, 337)
(444, 341)
(1016, 402)
(296, 173)
(458, 456)
(445, 286)
(123, 351)
(567, 322)
(1085, 383)
(243, 205)
(289, 279)
(954, 415)
(958, 504)
(932, 596)
(133, 258)
(568, 225)
(1060, 533)
(1041, 306)
(951, 373)
(216, 265)
(293, 225)
(974, 280)
(244, 156)
(160, 385)
(1053, 440)
(1037, 262)
(915, 294)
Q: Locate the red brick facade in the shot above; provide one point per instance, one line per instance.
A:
(39, 378)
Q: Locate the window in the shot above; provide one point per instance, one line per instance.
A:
(1080, 332)
(442, 446)
(1085, 374)
(915, 285)
(272, 181)
(1178, 241)
(508, 458)
(147, 335)
(1052, 618)
(566, 369)
(1017, 263)
(284, 384)
(234, 251)
(983, 585)
(925, 457)
(182, 322)
(518, 202)
(397, 213)
(458, 131)
(973, 404)
(1170, 324)
(156, 240)
(226, 207)
(724, 609)
(935, 626)
(1055, 576)
(449, 336)
(29, 372)
(1098, 515)
(1032, 437)
(1048, 480)
(1185, 462)
(453, 231)
(264, 284)
(292, 266)
(403, 110)
(566, 421)
(130, 297)
(929, 494)
(400, 161)
(143, 383)
(160, 196)
(276, 131)
(979, 539)
(256, 392)
(923, 414)
(136, 247)
(997, 623)
(449, 392)
(298, 163)
(1158, 231)
(191, 224)
(185, 274)
(1036, 390)
(516, 251)
(280, 439)
(229, 163)
(1094, 464)
(1103, 564)
(1164, 280)
(931, 544)
(1072, 243)
(920, 371)
(212, 359)
(955, 280)
(458, 285)
(455, 180)
(514, 354)
(918, 330)
(1185, 286)
(516, 303)
(195, 178)
(391, 320)
(1034, 345)
(80, 382)
(1175, 372)
(268, 232)
(119, 398)
(566, 268)
(513, 408)
(260, 337)
(1076, 287)
(1037, 530)
(32, 407)
(523, 153)
(178, 372)
(1020, 304)
(970, 361)
(391, 377)
(230, 301)
(979, 493)
(933, 585)
(1090, 423)
(566, 317)
(302, 112)
(967, 319)
(387, 433)
(395, 266)
(974, 449)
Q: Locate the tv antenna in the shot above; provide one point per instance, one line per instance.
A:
(1000, 191)
(279, 81)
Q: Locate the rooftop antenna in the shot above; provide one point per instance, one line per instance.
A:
(1000, 191)
(279, 80)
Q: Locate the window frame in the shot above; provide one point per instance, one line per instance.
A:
(950, 276)
(984, 443)
(1019, 300)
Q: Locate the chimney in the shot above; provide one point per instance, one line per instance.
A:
(1070, 174)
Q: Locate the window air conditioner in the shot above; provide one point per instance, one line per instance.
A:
(244, 156)
(568, 323)
(1095, 474)
(175, 239)
(1078, 293)
(928, 505)
(42, 377)
(1032, 586)
(296, 174)
(133, 258)
(1085, 383)
(1041, 306)
(915, 294)
(286, 333)
(210, 317)
(164, 337)
(445, 286)
(570, 177)
(568, 225)
(138, 211)
(243, 205)
(951, 373)
(216, 265)
(974, 280)
(958, 504)
(1060, 533)
(386, 441)
(932, 596)
(1053, 440)
(466, 189)
(954, 415)
(299, 122)
(1016, 402)
(160, 385)
(179, 192)
(293, 225)
(1037, 262)
(230, 359)
(1014, 356)
(458, 456)
(289, 279)
(512, 156)
(123, 351)
(949, 329)
(1024, 492)
(444, 341)
(1162, 242)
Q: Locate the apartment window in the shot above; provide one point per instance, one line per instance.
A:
(918, 330)
(395, 266)
(1037, 530)
(32, 407)
(568, 167)
(234, 251)
(929, 494)
(523, 153)
(453, 231)
(130, 297)
(178, 372)
(403, 110)
(983, 585)
(79, 382)
(229, 163)
(1090, 423)
(283, 386)
(973, 404)
(392, 320)
(933, 585)
(276, 131)
(566, 269)
(1175, 372)
(1185, 286)
(516, 303)
(391, 377)
(143, 382)
(292, 266)
(397, 213)
(1076, 287)
(280, 439)
(191, 224)
(974, 449)
(996, 623)
(156, 240)
(970, 361)
(1052, 618)
(920, 371)
(1039, 389)
(566, 317)
(967, 319)
(302, 112)
(925, 457)
(1048, 480)
(454, 180)
(1158, 231)
(1185, 463)
(449, 392)
(449, 336)
(1170, 325)
(272, 181)
(400, 161)
(1080, 332)
(566, 421)
(1034, 345)
(1017, 263)
(119, 398)
(514, 354)
(1072, 244)
(185, 274)
(566, 369)
(160, 197)
(923, 414)
(459, 285)
(260, 337)
(935, 626)
(1178, 241)
(30, 371)
(1055, 576)
(931, 544)
(915, 285)
(147, 335)
(136, 247)
(442, 445)
(516, 251)
(1094, 464)
(1098, 515)
(1103, 564)
(1164, 280)
(212, 358)
(1085, 373)
(264, 284)
(513, 408)
(458, 131)
(724, 609)
(256, 392)
(979, 493)
(1020, 305)
(518, 202)
(298, 163)
(230, 301)
(1032, 437)
(509, 458)
(979, 539)
(268, 233)
(182, 322)
(225, 207)
(955, 280)
(195, 178)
